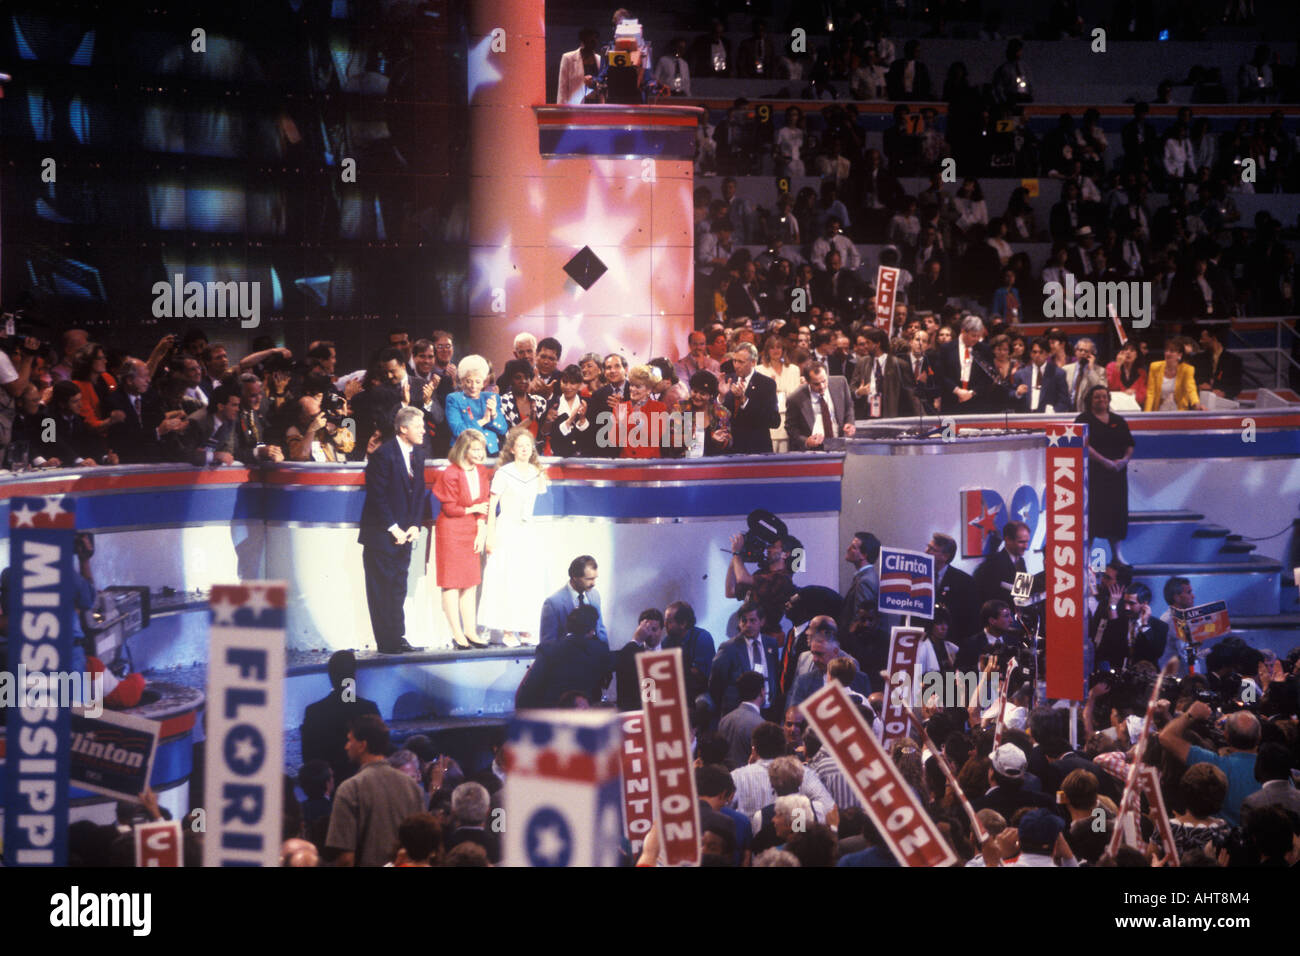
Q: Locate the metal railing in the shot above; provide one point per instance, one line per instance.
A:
(1277, 358)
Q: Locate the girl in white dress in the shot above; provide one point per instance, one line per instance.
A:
(513, 583)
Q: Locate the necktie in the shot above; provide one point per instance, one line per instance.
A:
(410, 463)
(828, 427)
(875, 375)
(582, 598)
(965, 358)
(135, 405)
(756, 655)
(1078, 382)
(916, 368)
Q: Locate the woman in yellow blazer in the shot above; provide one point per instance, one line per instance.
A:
(1171, 384)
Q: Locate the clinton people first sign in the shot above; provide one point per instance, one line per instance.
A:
(906, 582)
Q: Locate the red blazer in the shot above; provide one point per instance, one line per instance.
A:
(652, 447)
(1139, 387)
(452, 490)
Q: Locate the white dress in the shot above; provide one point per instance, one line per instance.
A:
(513, 584)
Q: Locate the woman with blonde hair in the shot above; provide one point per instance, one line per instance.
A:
(636, 423)
(513, 586)
(460, 533)
(473, 408)
(772, 363)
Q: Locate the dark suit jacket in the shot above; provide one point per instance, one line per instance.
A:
(751, 426)
(392, 496)
(732, 661)
(740, 302)
(204, 426)
(897, 388)
(968, 657)
(136, 439)
(994, 577)
(1227, 377)
(598, 405)
(925, 387)
(629, 687)
(1055, 389)
(847, 285)
(1007, 802)
(799, 410)
(325, 731)
(573, 663)
(484, 837)
(950, 378)
(807, 685)
(921, 91)
(956, 592)
(1148, 645)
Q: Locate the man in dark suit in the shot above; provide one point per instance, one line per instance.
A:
(1041, 383)
(905, 68)
(649, 634)
(965, 384)
(882, 383)
(1216, 368)
(213, 434)
(397, 502)
(995, 577)
(749, 650)
(406, 388)
(580, 591)
(824, 646)
(737, 727)
(953, 588)
(743, 295)
(751, 399)
(1131, 634)
(921, 371)
(579, 662)
(137, 424)
(607, 397)
(820, 408)
(998, 637)
(325, 723)
(836, 287)
(1139, 138)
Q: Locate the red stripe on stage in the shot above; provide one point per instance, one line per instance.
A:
(357, 478)
(1136, 423)
(94, 482)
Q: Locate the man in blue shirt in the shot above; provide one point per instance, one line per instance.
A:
(1238, 764)
(696, 644)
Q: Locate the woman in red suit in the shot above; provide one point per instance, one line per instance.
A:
(646, 426)
(463, 488)
(1126, 373)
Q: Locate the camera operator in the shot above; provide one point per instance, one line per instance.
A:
(314, 437)
(14, 380)
(770, 586)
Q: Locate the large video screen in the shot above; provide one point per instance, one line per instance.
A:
(317, 148)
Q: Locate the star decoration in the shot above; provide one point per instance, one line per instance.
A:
(551, 844)
(1069, 431)
(257, 600)
(53, 507)
(986, 521)
(223, 611)
(1054, 439)
(23, 517)
(480, 69)
(245, 751)
(565, 743)
(523, 756)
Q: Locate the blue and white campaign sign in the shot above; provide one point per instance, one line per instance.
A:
(245, 745)
(40, 641)
(563, 799)
(906, 582)
(113, 753)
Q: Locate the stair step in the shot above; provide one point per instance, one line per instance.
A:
(1257, 565)
(1211, 531)
(1144, 517)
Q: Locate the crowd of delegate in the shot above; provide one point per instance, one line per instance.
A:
(788, 389)
(1224, 736)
